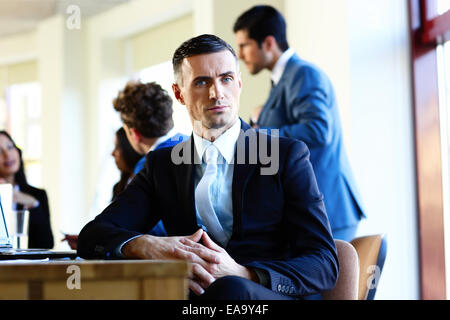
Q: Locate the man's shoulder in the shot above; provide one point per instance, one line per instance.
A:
(269, 140)
(163, 151)
(300, 68)
(173, 140)
(272, 135)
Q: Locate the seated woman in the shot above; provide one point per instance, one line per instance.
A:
(25, 196)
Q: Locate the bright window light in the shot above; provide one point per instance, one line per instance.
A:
(443, 6)
(163, 75)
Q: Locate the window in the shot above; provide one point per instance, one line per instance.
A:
(108, 123)
(443, 69)
(443, 6)
(163, 75)
(430, 35)
(23, 102)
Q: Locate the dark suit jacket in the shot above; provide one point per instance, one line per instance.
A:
(39, 228)
(303, 106)
(280, 225)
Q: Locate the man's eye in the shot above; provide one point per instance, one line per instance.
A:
(227, 79)
(200, 83)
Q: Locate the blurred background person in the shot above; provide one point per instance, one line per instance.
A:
(302, 105)
(126, 159)
(25, 196)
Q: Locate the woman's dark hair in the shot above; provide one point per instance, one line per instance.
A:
(19, 178)
(130, 156)
(262, 21)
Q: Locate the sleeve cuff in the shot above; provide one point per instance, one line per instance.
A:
(264, 278)
(118, 250)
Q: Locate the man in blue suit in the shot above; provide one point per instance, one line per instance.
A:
(146, 113)
(242, 206)
(302, 105)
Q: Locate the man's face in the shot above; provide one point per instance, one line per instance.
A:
(250, 53)
(210, 88)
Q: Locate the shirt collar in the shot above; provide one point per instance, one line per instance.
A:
(225, 143)
(160, 140)
(280, 65)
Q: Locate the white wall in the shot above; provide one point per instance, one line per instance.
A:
(51, 78)
(317, 33)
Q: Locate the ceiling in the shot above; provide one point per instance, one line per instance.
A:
(24, 15)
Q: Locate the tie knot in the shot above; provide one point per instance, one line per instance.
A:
(211, 154)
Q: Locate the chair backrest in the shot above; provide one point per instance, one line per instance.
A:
(372, 254)
(346, 287)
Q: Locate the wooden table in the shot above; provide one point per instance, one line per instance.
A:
(94, 280)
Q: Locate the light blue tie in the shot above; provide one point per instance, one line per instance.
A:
(203, 196)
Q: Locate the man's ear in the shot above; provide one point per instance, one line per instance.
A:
(270, 43)
(177, 93)
(135, 135)
(240, 79)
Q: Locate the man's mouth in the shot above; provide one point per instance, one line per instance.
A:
(217, 108)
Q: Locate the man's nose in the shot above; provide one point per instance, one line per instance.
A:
(215, 92)
(240, 54)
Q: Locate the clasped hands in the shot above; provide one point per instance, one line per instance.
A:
(209, 260)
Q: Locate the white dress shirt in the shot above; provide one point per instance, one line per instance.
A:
(221, 192)
(280, 65)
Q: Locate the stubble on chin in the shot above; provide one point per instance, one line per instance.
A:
(211, 130)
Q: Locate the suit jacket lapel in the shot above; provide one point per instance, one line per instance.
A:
(276, 90)
(184, 175)
(241, 175)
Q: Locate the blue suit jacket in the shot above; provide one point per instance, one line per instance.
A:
(303, 106)
(279, 221)
(165, 144)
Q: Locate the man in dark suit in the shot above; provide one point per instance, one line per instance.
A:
(302, 105)
(251, 219)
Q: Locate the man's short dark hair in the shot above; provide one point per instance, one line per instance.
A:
(205, 43)
(145, 107)
(262, 21)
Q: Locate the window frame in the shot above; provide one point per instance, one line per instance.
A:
(427, 29)
(436, 27)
